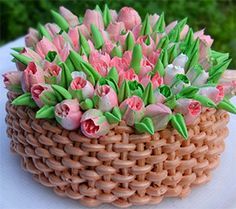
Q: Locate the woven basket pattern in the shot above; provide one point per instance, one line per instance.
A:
(122, 168)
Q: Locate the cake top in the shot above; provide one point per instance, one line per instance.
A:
(93, 71)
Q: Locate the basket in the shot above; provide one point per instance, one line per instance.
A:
(121, 168)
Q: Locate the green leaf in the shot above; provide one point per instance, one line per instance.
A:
(51, 55)
(66, 77)
(106, 16)
(163, 43)
(165, 90)
(159, 26)
(145, 126)
(124, 91)
(187, 92)
(225, 104)
(70, 64)
(148, 96)
(129, 42)
(146, 26)
(178, 123)
(192, 48)
(86, 104)
(164, 57)
(49, 98)
(116, 52)
(172, 52)
(114, 116)
(84, 43)
(205, 101)
(46, 112)
(189, 38)
(174, 35)
(171, 102)
(98, 9)
(110, 82)
(136, 58)
(44, 32)
(113, 74)
(193, 60)
(18, 49)
(97, 37)
(88, 73)
(159, 67)
(22, 58)
(75, 59)
(24, 99)
(60, 21)
(61, 93)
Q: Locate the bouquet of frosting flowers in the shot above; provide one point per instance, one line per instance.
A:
(91, 72)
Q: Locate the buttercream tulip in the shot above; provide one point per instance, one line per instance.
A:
(114, 15)
(93, 17)
(32, 38)
(107, 98)
(37, 92)
(153, 56)
(44, 46)
(183, 33)
(53, 29)
(69, 16)
(32, 54)
(62, 47)
(180, 60)
(191, 109)
(31, 75)
(81, 88)
(157, 80)
(114, 30)
(153, 19)
(132, 110)
(205, 38)
(94, 124)
(146, 67)
(52, 71)
(76, 74)
(160, 115)
(68, 114)
(197, 80)
(127, 75)
(136, 31)
(159, 98)
(216, 94)
(147, 49)
(100, 61)
(107, 47)
(171, 71)
(229, 88)
(12, 80)
(129, 17)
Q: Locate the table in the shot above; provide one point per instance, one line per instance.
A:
(19, 191)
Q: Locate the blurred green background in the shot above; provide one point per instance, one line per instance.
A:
(217, 16)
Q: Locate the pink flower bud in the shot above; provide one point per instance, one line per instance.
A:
(12, 80)
(32, 54)
(53, 29)
(93, 17)
(160, 115)
(32, 38)
(115, 29)
(107, 47)
(180, 60)
(159, 98)
(127, 75)
(157, 80)
(38, 90)
(100, 61)
(153, 56)
(68, 114)
(69, 16)
(132, 109)
(81, 88)
(94, 124)
(136, 31)
(122, 64)
(216, 94)
(171, 71)
(31, 75)
(107, 98)
(191, 109)
(146, 67)
(129, 17)
(147, 49)
(44, 46)
(204, 38)
(114, 15)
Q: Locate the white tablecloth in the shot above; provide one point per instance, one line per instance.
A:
(19, 191)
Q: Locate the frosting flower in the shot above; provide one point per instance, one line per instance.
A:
(180, 60)
(171, 71)
(32, 38)
(81, 88)
(160, 115)
(69, 16)
(132, 109)
(94, 124)
(216, 94)
(44, 46)
(31, 75)
(68, 114)
(114, 30)
(12, 80)
(127, 75)
(107, 98)
(93, 17)
(191, 109)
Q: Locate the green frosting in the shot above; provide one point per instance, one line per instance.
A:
(49, 98)
(165, 90)
(145, 126)
(192, 60)
(87, 67)
(218, 57)
(124, 91)
(46, 112)
(97, 8)
(187, 92)
(192, 47)
(24, 99)
(113, 75)
(163, 43)
(116, 52)
(106, 16)
(21, 58)
(66, 77)
(51, 55)
(86, 104)
(61, 93)
(148, 96)
(60, 21)
(174, 35)
(171, 102)
(136, 58)
(136, 88)
(129, 42)
(84, 43)
(172, 52)
(18, 49)
(159, 67)
(114, 116)
(97, 37)
(110, 82)
(225, 104)
(159, 26)
(164, 57)
(44, 32)
(205, 101)
(146, 26)
(178, 123)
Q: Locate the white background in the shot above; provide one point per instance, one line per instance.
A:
(19, 191)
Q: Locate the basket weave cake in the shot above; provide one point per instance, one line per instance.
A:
(121, 168)
(110, 108)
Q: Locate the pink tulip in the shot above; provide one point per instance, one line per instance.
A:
(31, 54)
(32, 38)
(216, 94)
(114, 15)
(93, 17)
(145, 80)
(160, 115)
(153, 19)
(154, 55)
(114, 30)
(59, 42)
(69, 16)
(171, 71)
(205, 38)
(107, 47)
(129, 17)
(229, 88)
(180, 60)
(127, 75)
(81, 88)
(12, 80)
(122, 64)
(94, 124)
(107, 98)
(132, 109)
(38, 90)
(159, 98)
(136, 31)
(157, 80)
(53, 29)
(146, 67)
(31, 75)
(191, 109)
(100, 61)
(147, 49)
(183, 33)
(68, 114)
(52, 70)
(44, 46)
(20, 66)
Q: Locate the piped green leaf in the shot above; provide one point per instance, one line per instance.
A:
(44, 32)
(21, 58)
(163, 43)
(165, 90)
(46, 112)
(193, 60)
(187, 92)
(86, 104)
(106, 16)
(129, 42)
(178, 123)
(84, 43)
(225, 104)
(159, 67)
(164, 57)
(49, 98)
(172, 52)
(145, 126)
(205, 101)
(124, 91)
(66, 77)
(24, 99)
(60, 21)
(18, 49)
(114, 116)
(61, 93)
(148, 96)
(159, 26)
(113, 74)
(51, 55)
(116, 52)
(97, 37)
(136, 58)
(146, 26)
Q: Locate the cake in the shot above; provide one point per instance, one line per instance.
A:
(110, 108)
